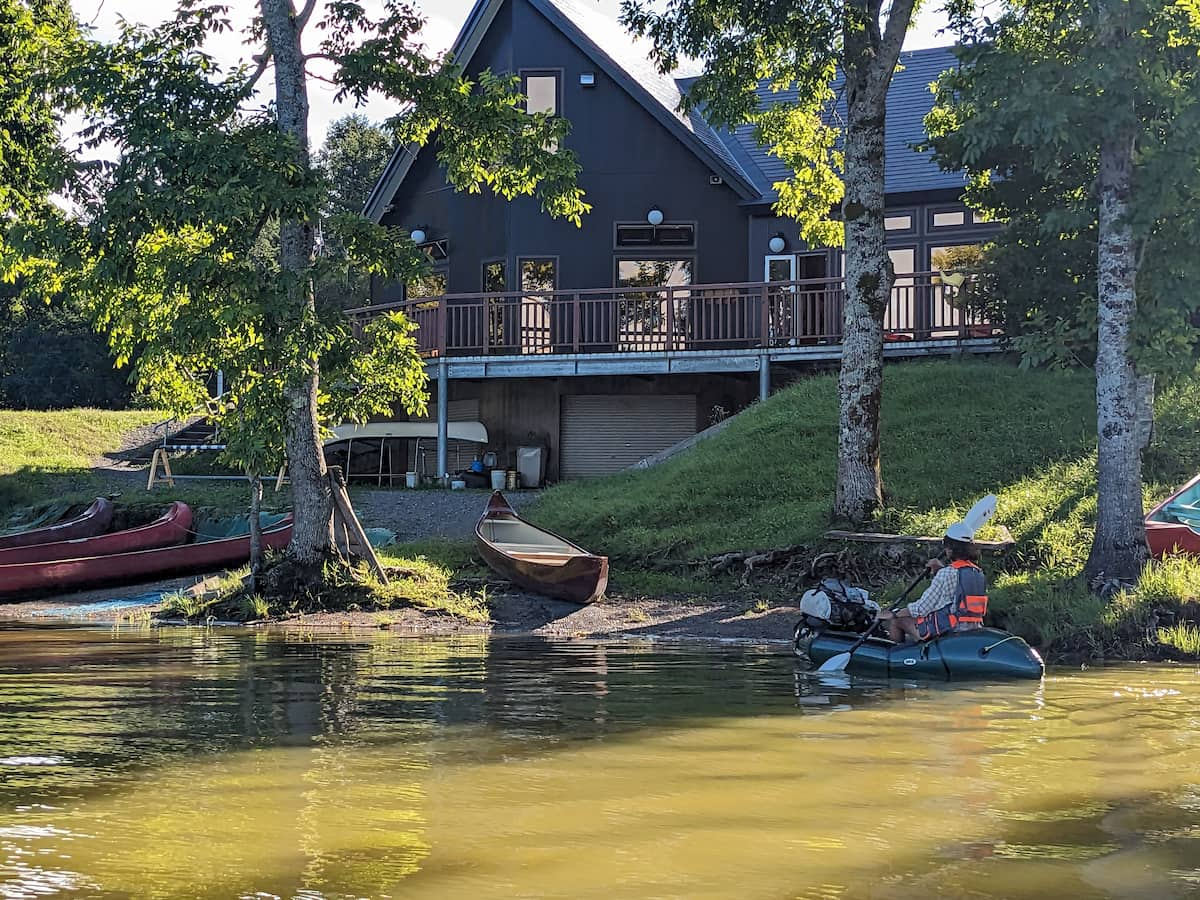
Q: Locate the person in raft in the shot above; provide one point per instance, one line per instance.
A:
(956, 599)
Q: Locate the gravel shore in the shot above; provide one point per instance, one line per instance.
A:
(422, 514)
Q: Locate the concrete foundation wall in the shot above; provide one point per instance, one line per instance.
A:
(526, 412)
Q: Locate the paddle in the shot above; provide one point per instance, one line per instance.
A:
(839, 662)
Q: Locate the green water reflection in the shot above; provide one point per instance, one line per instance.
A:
(223, 764)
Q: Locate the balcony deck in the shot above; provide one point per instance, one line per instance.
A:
(741, 327)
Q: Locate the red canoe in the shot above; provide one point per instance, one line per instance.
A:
(537, 559)
(1174, 525)
(139, 565)
(169, 530)
(94, 520)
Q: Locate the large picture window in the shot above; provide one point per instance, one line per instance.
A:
(633, 273)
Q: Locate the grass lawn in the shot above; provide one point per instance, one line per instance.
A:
(952, 431)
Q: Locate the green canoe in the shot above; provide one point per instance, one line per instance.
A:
(981, 653)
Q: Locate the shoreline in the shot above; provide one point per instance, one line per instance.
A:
(512, 613)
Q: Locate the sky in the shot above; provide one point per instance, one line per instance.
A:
(444, 19)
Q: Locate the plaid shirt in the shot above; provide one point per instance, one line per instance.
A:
(942, 591)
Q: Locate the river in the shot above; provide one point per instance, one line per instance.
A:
(194, 763)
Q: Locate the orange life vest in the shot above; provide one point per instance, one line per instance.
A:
(968, 609)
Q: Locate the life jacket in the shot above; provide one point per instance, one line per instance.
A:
(968, 609)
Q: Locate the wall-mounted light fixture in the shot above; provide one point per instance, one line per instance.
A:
(778, 243)
(655, 216)
(418, 235)
(587, 79)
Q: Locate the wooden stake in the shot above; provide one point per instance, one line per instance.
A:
(345, 512)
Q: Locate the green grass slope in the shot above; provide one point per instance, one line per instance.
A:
(952, 431)
(47, 455)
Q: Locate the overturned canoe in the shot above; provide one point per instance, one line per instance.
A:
(169, 530)
(92, 521)
(200, 556)
(1174, 525)
(979, 654)
(536, 559)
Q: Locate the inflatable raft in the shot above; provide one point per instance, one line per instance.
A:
(979, 654)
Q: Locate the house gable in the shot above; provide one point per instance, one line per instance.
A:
(658, 94)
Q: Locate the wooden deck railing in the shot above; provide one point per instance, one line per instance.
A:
(747, 316)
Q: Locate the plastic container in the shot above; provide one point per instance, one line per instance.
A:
(530, 466)
(458, 485)
(510, 480)
(410, 479)
(498, 478)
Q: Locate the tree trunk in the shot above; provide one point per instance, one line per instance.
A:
(1124, 399)
(256, 552)
(312, 506)
(869, 275)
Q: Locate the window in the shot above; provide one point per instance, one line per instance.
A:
(981, 218)
(954, 258)
(633, 273)
(780, 268)
(904, 261)
(542, 92)
(652, 236)
(898, 223)
(430, 284)
(538, 274)
(495, 277)
(949, 219)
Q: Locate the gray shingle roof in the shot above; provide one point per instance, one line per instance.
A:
(909, 100)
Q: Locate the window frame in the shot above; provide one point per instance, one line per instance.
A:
(654, 248)
(913, 214)
(483, 266)
(665, 257)
(559, 76)
(932, 212)
(536, 257)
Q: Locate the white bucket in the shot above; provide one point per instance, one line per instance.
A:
(497, 479)
(410, 479)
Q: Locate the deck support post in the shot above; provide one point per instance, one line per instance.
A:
(764, 377)
(443, 421)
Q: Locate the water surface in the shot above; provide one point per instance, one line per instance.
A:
(191, 763)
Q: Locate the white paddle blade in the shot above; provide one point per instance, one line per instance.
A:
(835, 663)
(979, 514)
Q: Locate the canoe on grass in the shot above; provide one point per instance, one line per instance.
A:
(210, 551)
(170, 529)
(1174, 525)
(978, 654)
(536, 559)
(92, 521)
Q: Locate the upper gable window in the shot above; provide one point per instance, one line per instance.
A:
(543, 92)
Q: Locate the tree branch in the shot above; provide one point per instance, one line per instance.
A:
(305, 14)
(320, 55)
(899, 18)
(264, 63)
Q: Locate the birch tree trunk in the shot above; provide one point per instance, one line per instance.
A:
(870, 60)
(1124, 399)
(312, 532)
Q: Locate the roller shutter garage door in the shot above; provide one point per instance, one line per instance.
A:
(605, 434)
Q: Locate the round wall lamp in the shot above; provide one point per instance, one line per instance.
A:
(655, 216)
(418, 235)
(777, 243)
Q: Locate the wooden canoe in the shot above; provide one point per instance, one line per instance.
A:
(169, 530)
(1174, 525)
(139, 565)
(92, 521)
(536, 559)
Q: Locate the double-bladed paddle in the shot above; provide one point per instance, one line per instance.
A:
(838, 663)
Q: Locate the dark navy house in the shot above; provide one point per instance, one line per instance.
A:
(682, 295)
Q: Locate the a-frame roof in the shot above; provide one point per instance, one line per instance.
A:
(623, 59)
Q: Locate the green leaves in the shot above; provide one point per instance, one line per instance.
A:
(1036, 92)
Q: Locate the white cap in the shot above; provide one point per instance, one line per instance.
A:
(975, 519)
